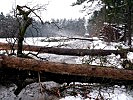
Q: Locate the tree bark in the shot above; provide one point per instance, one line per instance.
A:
(20, 46)
(129, 21)
(67, 69)
(26, 22)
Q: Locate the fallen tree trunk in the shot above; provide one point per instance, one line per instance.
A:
(87, 39)
(66, 51)
(67, 69)
(74, 52)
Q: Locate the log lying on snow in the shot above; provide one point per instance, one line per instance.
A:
(66, 51)
(87, 39)
(67, 69)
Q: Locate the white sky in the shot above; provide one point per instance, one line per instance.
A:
(55, 9)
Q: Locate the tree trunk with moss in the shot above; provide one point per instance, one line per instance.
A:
(23, 25)
(22, 31)
(20, 46)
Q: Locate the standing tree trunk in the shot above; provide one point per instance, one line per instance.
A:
(20, 46)
(23, 25)
(129, 23)
(21, 34)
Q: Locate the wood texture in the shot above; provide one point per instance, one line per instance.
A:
(68, 69)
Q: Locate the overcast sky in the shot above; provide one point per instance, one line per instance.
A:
(55, 8)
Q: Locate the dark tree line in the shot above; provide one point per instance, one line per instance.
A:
(9, 27)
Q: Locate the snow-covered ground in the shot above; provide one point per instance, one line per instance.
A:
(30, 92)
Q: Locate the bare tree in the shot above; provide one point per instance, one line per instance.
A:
(24, 19)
